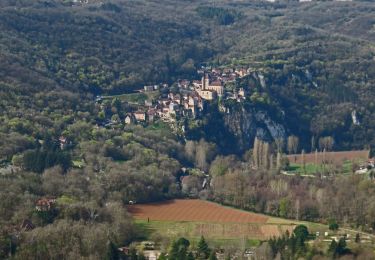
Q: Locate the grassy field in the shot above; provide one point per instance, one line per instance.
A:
(135, 98)
(218, 234)
(311, 168)
(191, 231)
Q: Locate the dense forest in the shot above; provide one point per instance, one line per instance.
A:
(316, 58)
(317, 61)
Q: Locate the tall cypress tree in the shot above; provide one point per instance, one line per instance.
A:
(332, 248)
(203, 249)
(173, 253)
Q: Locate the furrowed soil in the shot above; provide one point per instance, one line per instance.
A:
(193, 210)
(194, 218)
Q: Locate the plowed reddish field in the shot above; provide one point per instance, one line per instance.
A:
(193, 210)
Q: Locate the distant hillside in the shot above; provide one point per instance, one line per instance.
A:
(317, 58)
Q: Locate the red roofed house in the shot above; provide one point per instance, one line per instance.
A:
(140, 116)
(45, 204)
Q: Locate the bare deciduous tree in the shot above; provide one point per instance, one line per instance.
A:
(256, 152)
(326, 143)
(303, 160)
(293, 142)
(265, 155)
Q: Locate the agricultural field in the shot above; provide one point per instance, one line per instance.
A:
(312, 168)
(222, 226)
(194, 210)
(340, 162)
(330, 157)
(194, 218)
(135, 98)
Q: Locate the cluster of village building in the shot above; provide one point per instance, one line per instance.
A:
(191, 97)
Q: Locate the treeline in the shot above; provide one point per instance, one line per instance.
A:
(295, 246)
(113, 48)
(86, 203)
(55, 56)
(348, 199)
(220, 15)
(310, 77)
(81, 223)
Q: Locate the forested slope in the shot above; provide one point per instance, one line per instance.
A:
(317, 60)
(101, 47)
(317, 57)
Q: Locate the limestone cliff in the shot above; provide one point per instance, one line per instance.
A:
(246, 123)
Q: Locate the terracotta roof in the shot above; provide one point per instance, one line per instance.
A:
(139, 112)
(216, 83)
(44, 201)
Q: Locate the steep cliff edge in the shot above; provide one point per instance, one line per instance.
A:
(234, 129)
(247, 123)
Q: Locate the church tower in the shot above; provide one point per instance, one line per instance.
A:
(205, 81)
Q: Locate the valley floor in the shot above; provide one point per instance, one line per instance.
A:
(224, 226)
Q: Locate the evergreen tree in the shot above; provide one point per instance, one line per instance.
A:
(183, 242)
(332, 248)
(341, 247)
(203, 249)
(292, 244)
(338, 249)
(332, 224)
(301, 232)
(272, 244)
(179, 249)
(162, 256)
(113, 253)
(300, 247)
(212, 255)
(173, 253)
(190, 256)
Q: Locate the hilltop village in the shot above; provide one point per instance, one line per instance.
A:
(183, 99)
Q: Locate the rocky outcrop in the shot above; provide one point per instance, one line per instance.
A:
(243, 126)
(246, 124)
(274, 129)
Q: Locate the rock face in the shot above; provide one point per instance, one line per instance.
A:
(246, 124)
(355, 118)
(275, 130)
(243, 126)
